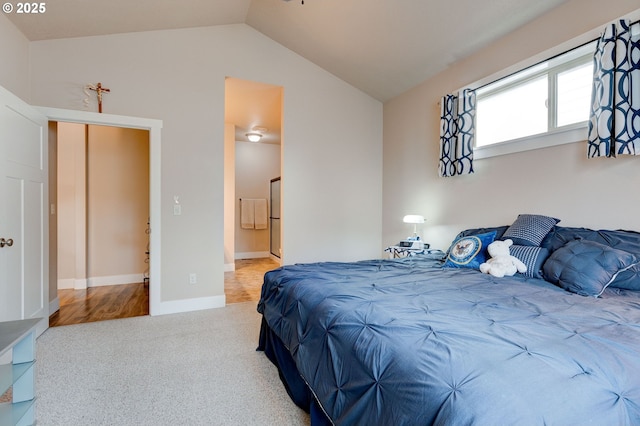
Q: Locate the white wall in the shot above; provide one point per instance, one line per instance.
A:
(229, 196)
(14, 51)
(557, 181)
(332, 139)
(256, 165)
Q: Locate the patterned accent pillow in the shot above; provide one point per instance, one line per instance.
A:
(469, 251)
(530, 229)
(532, 257)
(586, 267)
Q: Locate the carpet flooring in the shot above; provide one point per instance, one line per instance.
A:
(196, 368)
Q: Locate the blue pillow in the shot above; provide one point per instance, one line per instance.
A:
(532, 257)
(629, 279)
(586, 267)
(469, 251)
(529, 229)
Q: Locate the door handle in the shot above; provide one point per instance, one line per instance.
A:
(8, 242)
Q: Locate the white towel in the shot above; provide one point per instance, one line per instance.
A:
(247, 213)
(260, 218)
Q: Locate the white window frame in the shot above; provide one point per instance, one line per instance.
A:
(571, 133)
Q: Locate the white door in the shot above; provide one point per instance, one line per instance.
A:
(24, 263)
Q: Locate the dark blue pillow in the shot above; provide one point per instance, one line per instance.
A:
(469, 251)
(529, 229)
(628, 279)
(586, 267)
(628, 241)
(532, 257)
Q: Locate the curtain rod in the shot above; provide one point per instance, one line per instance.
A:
(549, 59)
(539, 62)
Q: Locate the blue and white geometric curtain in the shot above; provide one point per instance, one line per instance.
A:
(457, 133)
(614, 121)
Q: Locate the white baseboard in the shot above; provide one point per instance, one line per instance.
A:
(189, 305)
(229, 267)
(72, 284)
(252, 255)
(66, 284)
(84, 283)
(115, 280)
(54, 306)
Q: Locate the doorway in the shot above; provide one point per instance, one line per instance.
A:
(154, 127)
(253, 155)
(103, 213)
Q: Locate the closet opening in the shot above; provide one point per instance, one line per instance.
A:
(102, 216)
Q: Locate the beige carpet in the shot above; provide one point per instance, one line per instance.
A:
(198, 368)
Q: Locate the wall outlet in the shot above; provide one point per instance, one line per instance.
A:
(193, 278)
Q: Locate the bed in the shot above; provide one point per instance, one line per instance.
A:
(424, 340)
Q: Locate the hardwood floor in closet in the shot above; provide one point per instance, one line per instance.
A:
(101, 303)
(132, 300)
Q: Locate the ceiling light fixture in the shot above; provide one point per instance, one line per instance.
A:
(254, 137)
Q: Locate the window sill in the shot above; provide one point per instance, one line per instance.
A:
(572, 134)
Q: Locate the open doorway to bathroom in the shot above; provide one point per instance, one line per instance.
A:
(253, 142)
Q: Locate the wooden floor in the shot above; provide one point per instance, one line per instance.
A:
(244, 284)
(101, 303)
(132, 300)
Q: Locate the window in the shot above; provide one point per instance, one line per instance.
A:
(545, 98)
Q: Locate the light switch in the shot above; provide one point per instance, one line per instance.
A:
(177, 208)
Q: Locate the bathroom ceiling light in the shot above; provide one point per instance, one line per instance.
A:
(254, 137)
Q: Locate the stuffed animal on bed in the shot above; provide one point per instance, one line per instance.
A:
(502, 263)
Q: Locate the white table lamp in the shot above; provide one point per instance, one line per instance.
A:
(415, 219)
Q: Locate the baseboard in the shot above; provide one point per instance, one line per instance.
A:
(229, 267)
(83, 283)
(252, 255)
(54, 306)
(115, 280)
(66, 284)
(72, 284)
(189, 305)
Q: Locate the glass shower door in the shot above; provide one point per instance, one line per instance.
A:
(274, 218)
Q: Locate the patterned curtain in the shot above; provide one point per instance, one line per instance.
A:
(457, 133)
(614, 122)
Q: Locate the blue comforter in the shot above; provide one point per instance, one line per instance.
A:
(406, 342)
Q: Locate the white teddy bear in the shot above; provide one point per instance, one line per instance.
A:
(502, 263)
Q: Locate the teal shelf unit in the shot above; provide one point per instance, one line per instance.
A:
(19, 338)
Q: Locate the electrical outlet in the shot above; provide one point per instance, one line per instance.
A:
(193, 278)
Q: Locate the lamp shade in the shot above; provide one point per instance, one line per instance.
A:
(413, 218)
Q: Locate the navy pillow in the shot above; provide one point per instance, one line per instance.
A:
(529, 229)
(532, 257)
(628, 279)
(469, 251)
(586, 267)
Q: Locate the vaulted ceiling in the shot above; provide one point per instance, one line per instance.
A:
(383, 47)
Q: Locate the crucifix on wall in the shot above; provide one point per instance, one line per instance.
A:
(99, 90)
